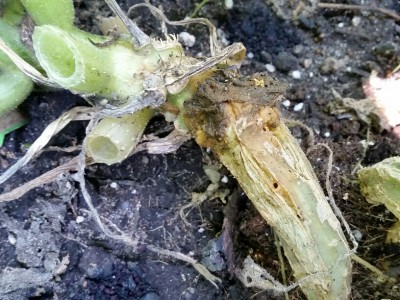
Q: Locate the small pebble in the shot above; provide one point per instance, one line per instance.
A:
(145, 160)
(270, 68)
(307, 63)
(298, 106)
(96, 263)
(327, 134)
(201, 230)
(356, 21)
(311, 74)
(250, 55)
(285, 61)
(12, 239)
(357, 234)
(298, 49)
(223, 37)
(286, 103)
(340, 25)
(296, 74)
(345, 196)
(224, 179)
(103, 102)
(150, 296)
(79, 219)
(113, 185)
(187, 39)
(229, 4)
(329, 65)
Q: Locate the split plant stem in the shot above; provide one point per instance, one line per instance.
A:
(113, 139)
(117, 72)
(254, 144)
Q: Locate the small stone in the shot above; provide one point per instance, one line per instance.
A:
(250, 55)
(311, 74)
(329, 65)
(298, 106)
(187, 39)
(212, 258)
(296, 74)
(145, 159)
(224, 179)
(298, 49)
(103, 102)
(229, 4)
(340, 25)
(307, 63)
(356, 21)
(96, 264)
(345, 196)
(150, 296)
(286, 103)
(327, 134)
(265, 56)
(12, 239)
(357, 234)
(113, 185)
(188, 294)
(79, 219)
(270, 68)
(222, 37)
(201, 230)
(286, 61)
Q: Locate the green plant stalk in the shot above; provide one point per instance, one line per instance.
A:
(115, 72)
(15, 86)
(380, 184)
(259, 150)
(51, 12)
(113, 139)
(12, 12)
(11, 36)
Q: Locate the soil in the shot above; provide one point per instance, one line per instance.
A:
(330, 49)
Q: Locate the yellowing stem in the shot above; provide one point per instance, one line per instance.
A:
(112, 140)
(258, 149)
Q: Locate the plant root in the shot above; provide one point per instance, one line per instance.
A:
(75, 114)
(47, 177)
(331, 199)
(387, 12)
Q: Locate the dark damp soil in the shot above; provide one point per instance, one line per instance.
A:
(143, 195)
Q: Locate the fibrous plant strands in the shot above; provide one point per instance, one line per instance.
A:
(214, 46)
(258, 149)
(77, 113)
(26, 68)
(139, 38)
(380, 184)
(47, 177)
